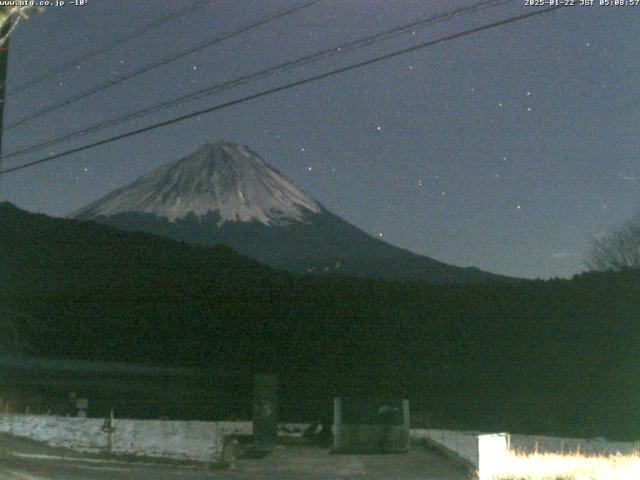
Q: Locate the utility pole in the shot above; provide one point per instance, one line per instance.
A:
(4, 60)
(9, 19)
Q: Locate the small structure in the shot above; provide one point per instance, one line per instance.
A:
(363, 425)
(82, 404)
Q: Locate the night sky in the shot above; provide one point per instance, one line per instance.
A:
(507, 150)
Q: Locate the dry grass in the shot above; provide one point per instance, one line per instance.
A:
(571, 466)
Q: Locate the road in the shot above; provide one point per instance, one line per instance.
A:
(30, 469)
(286, 463)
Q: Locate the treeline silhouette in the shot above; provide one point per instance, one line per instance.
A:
(556, 357)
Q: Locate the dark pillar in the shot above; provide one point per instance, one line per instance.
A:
(265, 412)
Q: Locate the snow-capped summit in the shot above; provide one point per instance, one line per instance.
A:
(224, 193)
(223, 178)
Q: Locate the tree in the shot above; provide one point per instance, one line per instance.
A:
(619, 250)
(12, 324)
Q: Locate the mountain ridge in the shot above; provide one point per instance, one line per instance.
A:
(218, 177)
(244, 203)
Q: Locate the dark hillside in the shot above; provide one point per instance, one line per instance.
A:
(556, 357)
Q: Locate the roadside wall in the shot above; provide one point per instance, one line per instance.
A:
(184, 440)
(203, 441)
(463, 445)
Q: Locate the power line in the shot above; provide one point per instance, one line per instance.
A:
(108, 47)
(297, 83)
(216, 88)
(162, 62)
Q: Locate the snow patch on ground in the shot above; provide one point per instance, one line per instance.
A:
(465, 444)
(586, 446)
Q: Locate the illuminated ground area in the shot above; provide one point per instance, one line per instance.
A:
(543, 466)
(286, 462)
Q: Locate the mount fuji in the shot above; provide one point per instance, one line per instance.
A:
(224, 193)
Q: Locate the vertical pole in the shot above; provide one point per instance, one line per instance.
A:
(111, 432)
(406, 426)
(265, 412)
(4, 60)
(406, 419)
(337, 424)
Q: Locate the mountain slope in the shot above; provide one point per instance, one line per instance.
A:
(224, 193)
(222, 177)
(94, 255)
(103, 293)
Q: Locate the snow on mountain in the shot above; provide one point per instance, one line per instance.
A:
(225, 194)
(222, 178)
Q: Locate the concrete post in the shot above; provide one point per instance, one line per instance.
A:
(265, 412)
(337, 422)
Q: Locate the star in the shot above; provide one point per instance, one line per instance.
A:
(528, 109)
(380, 234)
(518, 207)
(500, 104)
(420, 183)
(195, 67)
(379, 128)
(302, 149)
(310, 169)
(626, 177)
(528, 94)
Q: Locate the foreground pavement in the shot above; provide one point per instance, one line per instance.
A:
(284, 463)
